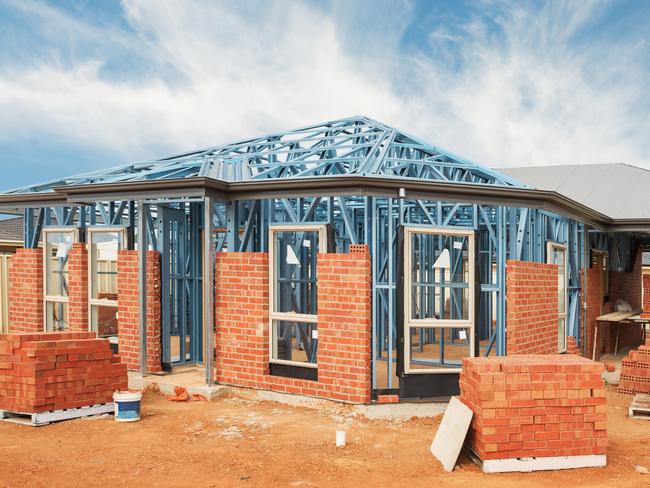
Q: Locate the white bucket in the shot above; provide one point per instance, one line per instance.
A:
(127, 406)
(340, 438)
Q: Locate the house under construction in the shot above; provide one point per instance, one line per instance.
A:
(342, 260)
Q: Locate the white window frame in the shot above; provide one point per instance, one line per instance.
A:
(550, 246)
(101, 302)
(434, 323)
(54, 298)
(290, 316)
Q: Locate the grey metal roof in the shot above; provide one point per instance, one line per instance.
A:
(11, 229)
(620, 191)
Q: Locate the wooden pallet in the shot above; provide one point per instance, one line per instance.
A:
(640, 407)
(45, 418)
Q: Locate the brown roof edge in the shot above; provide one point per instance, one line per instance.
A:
(318, 186)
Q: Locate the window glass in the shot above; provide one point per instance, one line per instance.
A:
(436, 347)
(103, 320)
(294, 338)
(295, 341)
(295, 286)
(57, 248)
(439, 276)
(557, 256)
(103, 256)
(56, 316)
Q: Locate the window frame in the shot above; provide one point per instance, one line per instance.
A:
(74, 231)
(100, 302)
(550, 246)
(290, 316)
(433, 323)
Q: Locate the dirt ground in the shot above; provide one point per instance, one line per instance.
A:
(236, 442)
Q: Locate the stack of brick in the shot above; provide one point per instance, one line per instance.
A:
(635, 372)
(56, 371)
(535, 406)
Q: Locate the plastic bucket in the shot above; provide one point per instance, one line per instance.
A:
(127, 406)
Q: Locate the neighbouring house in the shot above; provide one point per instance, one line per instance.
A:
(11, 238)
(342, 260)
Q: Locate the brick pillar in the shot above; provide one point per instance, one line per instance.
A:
(128, 306)
(531, 307)
(242, 318)
(78, 287)
(572, 346)
(594, 300)
(26, 291)
(344, 328)
(646, 295)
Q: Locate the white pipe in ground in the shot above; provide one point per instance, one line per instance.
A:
(340, 438)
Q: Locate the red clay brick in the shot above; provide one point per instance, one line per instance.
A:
(565, 414)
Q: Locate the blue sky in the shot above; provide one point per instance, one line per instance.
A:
(85, 85)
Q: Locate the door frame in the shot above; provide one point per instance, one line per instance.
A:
(432, 382)
(167, 215)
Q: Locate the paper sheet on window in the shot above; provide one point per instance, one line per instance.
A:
(107, 251)
(62, 251)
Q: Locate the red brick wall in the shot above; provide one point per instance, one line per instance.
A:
(54, 371)
(595, 307)
(625, 286)
(78, 287)
(26, 291)
(646, 295)
(531, 307)
(128, 305)
(344, 333)
(535, 406)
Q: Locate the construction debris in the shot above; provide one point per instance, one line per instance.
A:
(451, 434)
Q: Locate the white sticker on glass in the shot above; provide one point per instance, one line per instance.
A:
(443, 260)
(314, 334)
(458, 245)
(463, 335)
(306, 243)
(291, 256)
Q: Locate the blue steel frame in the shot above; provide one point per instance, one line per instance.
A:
(352, 146)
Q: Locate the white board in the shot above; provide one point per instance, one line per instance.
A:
(451, 434)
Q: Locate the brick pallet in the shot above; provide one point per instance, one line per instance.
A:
(48, 372)
(534, 412)
(635, 372)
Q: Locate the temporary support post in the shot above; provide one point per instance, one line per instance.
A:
(208, 288)
(142, 285)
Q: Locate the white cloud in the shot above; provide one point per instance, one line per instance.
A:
(212, 73)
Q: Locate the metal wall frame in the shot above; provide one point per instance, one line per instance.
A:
(502, 233)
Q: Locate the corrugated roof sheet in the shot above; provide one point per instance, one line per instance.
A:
(620, 191)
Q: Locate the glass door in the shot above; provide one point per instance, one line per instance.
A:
(438, 309)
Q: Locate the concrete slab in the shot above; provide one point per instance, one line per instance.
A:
(193, 381)
(401, 411)
(449, 439)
